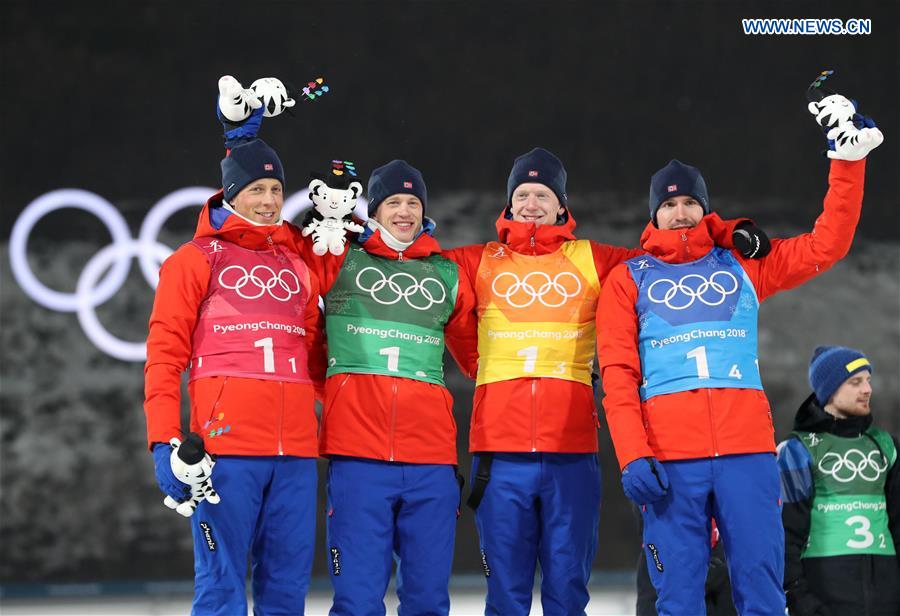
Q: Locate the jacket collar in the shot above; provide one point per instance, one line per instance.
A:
(811, 417)
(216, 221)
(424, 245)
(528, 238)
(682, 245)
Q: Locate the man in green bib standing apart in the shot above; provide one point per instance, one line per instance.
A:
(841, 489)
(391, 300)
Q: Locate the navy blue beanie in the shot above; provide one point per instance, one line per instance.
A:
(396, 177)
(247, 163)
(674, 180)
(541, 167)
(831, 366)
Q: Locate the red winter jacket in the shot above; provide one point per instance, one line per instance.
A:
(273, 417)
(539, 414)
(709, 422)
(384, 417)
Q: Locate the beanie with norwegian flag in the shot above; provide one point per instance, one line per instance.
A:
(247, 163)
(538, 166)
(674, 180)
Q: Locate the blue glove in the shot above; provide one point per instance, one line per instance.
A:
(644, 481)
(237, 133)
(860, 121)
(166, 479)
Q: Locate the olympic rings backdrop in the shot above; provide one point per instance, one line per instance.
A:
(111, 146)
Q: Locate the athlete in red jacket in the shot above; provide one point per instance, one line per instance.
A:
(237, 307)
(534, 412)
(691, 425)
(388, 427)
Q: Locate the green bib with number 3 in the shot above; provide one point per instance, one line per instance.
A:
(387, 316)
(849, 510)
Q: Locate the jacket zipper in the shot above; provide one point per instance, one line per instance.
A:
(712, 426)
(212, 412)
(687, 246)
(533, 415)
(334, 398)
(400, 256)
(531, 241)
(393, 415)
(281, 420)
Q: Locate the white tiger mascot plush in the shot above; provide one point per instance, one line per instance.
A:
(237, 102)
(333, 203)
(851, 135)
(193, 466)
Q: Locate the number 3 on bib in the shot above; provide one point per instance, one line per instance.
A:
(862, 531)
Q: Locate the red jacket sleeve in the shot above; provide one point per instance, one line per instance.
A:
(183, 282)
(722, 231)
(794, 261)
(620, 366)
(325, 267)
(606, 257)
(461, 332)
(317, 360)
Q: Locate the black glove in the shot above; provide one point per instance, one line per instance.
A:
(717, 575)
(801, 602)
(751, 241)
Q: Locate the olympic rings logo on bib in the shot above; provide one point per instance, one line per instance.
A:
(537, 286)
(845, 469)
(710, 292)
(275, 285)
(419, 295)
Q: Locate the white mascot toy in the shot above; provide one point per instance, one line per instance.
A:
(851, 136)
(193, 466)
(237, 102)
(334, 199)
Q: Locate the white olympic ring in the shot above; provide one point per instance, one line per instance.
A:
(417, 287)
(94, 288)
(538, 294)
(264, 287)
(693, 294)
(857, 468)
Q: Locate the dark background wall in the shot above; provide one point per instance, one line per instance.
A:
(118, 100)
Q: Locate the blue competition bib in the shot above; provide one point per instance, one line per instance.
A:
(696, 324)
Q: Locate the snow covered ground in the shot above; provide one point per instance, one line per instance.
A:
(464, 602)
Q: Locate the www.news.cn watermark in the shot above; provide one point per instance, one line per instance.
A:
(806, 26)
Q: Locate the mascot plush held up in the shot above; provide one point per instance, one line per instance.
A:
(333, 197)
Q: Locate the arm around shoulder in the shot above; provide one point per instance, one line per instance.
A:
(461, 332)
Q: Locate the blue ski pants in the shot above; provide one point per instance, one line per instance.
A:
(379, 511)
(742, 493)
(267, 516)
(539, 508)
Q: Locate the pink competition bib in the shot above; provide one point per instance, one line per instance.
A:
(251, 322)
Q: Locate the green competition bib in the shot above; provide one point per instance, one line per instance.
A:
(849, 510)
(385, 316)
